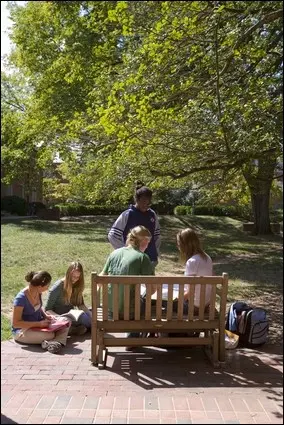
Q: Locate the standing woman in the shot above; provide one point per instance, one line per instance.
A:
(29, 318)
(139, 214)
(66, 294)
(197, 262)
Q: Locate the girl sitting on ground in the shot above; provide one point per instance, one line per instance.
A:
(67, 294)
(29, 318)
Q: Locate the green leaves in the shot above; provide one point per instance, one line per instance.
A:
(155, 90)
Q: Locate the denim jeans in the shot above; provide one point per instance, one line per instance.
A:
(86, 320)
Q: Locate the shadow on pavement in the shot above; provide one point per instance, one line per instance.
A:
(5, 420)
(71, 348)
(152, 368)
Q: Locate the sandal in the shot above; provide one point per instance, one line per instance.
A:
(44, 345)
(54, 347)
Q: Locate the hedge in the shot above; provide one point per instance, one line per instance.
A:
(214, 210)
(72, 209)
(80, 209)
(14, 205)
(183, 210)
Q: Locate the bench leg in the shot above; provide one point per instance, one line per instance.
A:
(212, 350)
(100, 357)
(94, 351)
(222, 345)
(102, 352)
(215, 347)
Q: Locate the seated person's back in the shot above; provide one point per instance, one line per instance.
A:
(131, 261)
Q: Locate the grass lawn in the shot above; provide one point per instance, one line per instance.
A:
(254, 264)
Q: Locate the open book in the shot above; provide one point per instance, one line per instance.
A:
(164, 292)
(73, 314)
(53, 326)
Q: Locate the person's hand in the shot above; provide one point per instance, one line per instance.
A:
(50, 318)
(43, 323)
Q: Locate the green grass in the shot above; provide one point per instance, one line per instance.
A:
(5, 327)
(254, 264)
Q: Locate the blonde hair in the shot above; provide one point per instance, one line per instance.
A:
(73, 293)
(189, 244)
(137, 235)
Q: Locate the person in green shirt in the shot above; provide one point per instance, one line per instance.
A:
(130, 260)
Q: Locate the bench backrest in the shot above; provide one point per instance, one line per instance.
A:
(100, 299)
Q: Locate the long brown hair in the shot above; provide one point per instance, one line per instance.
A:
(189, 244)
(73, 293)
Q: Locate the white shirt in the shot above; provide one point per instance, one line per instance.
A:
(198, 266)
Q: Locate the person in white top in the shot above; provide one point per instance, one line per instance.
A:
(197, 262)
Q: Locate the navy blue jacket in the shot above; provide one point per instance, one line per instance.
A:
(133, 217)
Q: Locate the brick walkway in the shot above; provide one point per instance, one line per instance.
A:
(143, 387)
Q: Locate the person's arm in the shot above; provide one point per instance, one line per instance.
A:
(54, 294)
(85, 309)
(190, 270)
(157, 234)
(148, 270)
(47, 316)
(18, 321)
(115, 235)
(104, 272)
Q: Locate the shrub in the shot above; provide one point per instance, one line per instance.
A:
(80, 209)
(183, 210)
(35, 207)
(14, 205)
(49, 213)
(216, 210)
(163, 208)
(244, 212)
(276, 216)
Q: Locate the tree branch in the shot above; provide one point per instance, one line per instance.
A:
(218, 86)
(19, 107)
(193, 170)
(270, 17)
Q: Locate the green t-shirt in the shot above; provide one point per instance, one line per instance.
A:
(127, 261)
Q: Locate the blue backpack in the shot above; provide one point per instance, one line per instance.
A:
(249, 323)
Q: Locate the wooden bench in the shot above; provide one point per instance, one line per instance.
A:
(210, 320)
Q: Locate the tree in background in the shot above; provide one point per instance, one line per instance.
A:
(178, 93)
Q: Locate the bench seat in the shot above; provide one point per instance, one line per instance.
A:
(156, 319)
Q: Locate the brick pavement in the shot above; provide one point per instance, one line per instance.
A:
(147, 386)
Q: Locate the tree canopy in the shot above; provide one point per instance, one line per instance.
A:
(176, 93)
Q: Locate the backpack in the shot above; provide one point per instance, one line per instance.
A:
(251, 324)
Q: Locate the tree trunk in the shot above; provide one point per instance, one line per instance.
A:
(260, 207)
(259, 176)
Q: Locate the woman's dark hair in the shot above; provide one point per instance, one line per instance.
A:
(142, 191)
(38, 278)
